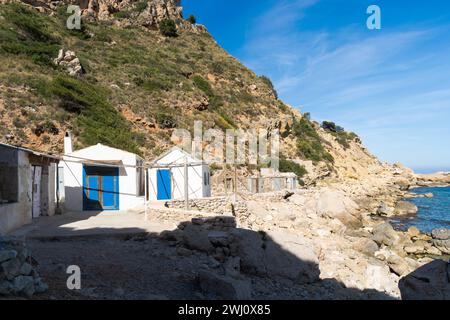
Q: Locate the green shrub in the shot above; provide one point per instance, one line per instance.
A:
(203, 85)
(168, 28)
(192, 19)
(97, 121)
(29, 35)
(286, 165)
(309, 145)
(269, 83)
(165, 121)
(342, 137)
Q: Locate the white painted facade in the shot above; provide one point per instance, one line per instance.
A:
(129, 183)
(199, 184)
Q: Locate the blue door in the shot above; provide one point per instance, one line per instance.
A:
(100, 188)
(163, 183)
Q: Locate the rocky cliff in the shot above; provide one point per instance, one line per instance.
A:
(121, 82)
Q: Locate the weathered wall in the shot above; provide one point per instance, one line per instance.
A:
(218, 205)
(15, 215)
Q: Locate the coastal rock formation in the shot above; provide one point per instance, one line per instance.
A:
(429, 282)
(441, 240)
(17, 274)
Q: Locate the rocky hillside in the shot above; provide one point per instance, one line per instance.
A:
(136, 71)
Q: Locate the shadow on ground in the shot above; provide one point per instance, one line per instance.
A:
(202, 259)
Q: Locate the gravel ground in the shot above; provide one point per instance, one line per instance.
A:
(151, 268)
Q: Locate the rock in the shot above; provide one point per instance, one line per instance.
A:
(441, 240)
(405, 208)
(441, 234)
(413, 232)
(398, 265)
(184, 252)
(24, 284)
(5, 288)
(428, 195)
(379, 277)
(26, 269)
(69, 61)
(218, 238)
(11, 268)
(385, 234)
(417, 247)
(336, 205)
(429, 282)
(384, 210)
(223, 287)
(248, 246)
(196, 238)
(40, 286)
(292, 257)
(366, 246)
(7, 255)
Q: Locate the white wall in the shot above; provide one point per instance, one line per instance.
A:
(197, 188)
(73, 177)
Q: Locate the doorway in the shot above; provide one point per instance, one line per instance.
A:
(100, 188)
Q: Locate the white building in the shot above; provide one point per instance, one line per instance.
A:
(27, 186)
(101, 178)
(270, 180)
(167, 176)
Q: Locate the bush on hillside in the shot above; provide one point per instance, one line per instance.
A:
(286, 165)
(192, 19)
(269, 83)
(168, 28)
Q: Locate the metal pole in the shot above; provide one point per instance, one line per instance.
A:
(186, 184)
(145, 192)
(235, 185)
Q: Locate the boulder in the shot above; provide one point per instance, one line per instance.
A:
(11, 268)
(24, 284)
(336, 205)
(384, 210)
(248, 245)
(405, 208)
(385, 234)
(429, 282)
(398, 265)
(413, 232)
(223, 287)
(366, 246)
(7, 255)
(379, 277)
(196, 238)
(441, 240)
(292, 257)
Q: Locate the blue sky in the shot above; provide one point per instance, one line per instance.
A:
(390, 86)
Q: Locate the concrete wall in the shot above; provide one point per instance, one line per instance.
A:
(15, 215)
(73, 177)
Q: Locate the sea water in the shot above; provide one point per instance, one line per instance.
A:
(433, 212)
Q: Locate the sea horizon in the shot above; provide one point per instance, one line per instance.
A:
(426, 170)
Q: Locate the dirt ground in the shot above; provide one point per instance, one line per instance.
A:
(148, 268)
(113, 268)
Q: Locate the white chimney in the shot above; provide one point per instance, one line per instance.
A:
(68, 143)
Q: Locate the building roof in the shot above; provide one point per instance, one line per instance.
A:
(176, 155)
(35, 153)
(102, 152)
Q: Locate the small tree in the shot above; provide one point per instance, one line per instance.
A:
(192, 19)
(168, 28)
